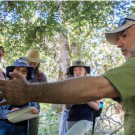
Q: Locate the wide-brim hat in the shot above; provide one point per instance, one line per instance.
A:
(112, 36)
(78, 64)
(34, 56)
(18, 63)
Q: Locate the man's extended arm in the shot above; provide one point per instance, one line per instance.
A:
(74, 90)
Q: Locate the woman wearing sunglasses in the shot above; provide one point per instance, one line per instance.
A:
(22, 67)
(34, 60)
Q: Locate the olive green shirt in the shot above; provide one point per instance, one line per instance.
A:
(123, 79)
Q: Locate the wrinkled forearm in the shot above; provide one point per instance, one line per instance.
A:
(73, 91)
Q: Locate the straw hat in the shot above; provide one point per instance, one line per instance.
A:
(78, 64)
(34, 56)
(112, 36)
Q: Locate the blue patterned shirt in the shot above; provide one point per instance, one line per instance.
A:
(5, 109)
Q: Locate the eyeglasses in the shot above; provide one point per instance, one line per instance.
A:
(123, 21)
(22, 71)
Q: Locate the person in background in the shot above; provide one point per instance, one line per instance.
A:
(65, 110)
(33, 58)
(80, 117)
(117, 83)
(22, 67)
(2, 54)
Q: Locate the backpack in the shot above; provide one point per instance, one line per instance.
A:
(96, 113)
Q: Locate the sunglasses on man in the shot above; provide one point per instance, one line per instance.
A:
(123, 21)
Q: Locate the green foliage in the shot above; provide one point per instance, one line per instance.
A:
(49, 123)
(38, 24)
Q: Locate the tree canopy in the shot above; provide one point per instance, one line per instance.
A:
(44, 24)
(63, 31)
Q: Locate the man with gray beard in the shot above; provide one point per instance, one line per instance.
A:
(116, 83)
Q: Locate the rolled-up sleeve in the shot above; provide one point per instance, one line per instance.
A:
(123, 79)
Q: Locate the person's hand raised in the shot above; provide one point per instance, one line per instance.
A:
(15, 91)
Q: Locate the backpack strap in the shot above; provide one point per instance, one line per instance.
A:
(40, 77)
(94, 118)
(96, 114)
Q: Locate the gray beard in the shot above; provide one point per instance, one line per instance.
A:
(131, 54)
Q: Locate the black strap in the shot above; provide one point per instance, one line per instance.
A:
(94, 112)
